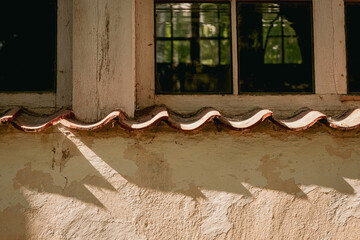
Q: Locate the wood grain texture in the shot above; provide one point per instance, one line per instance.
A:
(104, 77)
(85, 31)
(329, 47)
(340, 72)
(235, 59)
(145, 53)
(116, 53)
(64, 54)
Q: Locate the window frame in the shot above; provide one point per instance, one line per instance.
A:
(351, 95)
(133, 86)
(62, 97)
(330, 80)
(230, 39)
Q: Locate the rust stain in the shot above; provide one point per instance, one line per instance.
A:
(270, 168)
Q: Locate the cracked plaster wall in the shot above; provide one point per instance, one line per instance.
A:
(163, 184)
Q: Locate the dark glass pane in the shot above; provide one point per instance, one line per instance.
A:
(195, 37)
(209, 52)
(209, 20)
(28, 45)
(225, 21)
(164, 50)
(225, 53)
(275, 47)
(181, 52)
(163, 21)
(181, 19)
(352, 15)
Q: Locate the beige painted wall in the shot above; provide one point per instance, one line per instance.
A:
(165, 184)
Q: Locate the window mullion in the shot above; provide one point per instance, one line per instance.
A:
(329, 47)
(234, 48)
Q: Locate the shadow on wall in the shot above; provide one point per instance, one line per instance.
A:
(186, 163)
(129, 165)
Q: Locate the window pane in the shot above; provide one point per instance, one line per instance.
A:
(352, 15)
(273, 51)
(209, 52)
(194, 56)
(225, 20)
(181, 19)
(164, 50)
(181, 52)
(163, 21)
(209, 21)
(292, 51)
(225, 53)
(275, 47)
(28, 45)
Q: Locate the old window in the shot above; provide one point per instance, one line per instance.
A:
(193, 48)
(352, 15)
(28, 45)
(275, 46)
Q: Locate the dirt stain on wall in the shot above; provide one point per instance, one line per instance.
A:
(270, 169)
(153, 170)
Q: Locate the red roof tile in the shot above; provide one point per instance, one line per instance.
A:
(28, 122)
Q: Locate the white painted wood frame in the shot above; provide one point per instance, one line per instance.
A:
(62, 98)
(329, 47)
(103, 58)
(234, 42)
(329, 68)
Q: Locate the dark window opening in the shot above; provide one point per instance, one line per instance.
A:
(193, 48)
(352, 18)
(28, 31)
(275, 47)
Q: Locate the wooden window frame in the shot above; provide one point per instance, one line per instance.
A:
(329, 68)
(62, 98)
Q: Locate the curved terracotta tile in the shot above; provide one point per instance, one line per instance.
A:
(88, 127)
(156, 115)
(30, 123)
(195, 122)
(350, 120)
(246, 121)
(302, 121)
(9, 115)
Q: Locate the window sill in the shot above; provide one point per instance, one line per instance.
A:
(349, 98)
(284, 105)
(28, 100)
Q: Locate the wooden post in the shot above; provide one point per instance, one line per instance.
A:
(329, 47)
(103, 60)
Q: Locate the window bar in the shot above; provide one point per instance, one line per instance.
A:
(282, 40)
(172, 34)
(219, 35)
(235, 75)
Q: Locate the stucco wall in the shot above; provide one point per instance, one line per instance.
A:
(160, 183)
